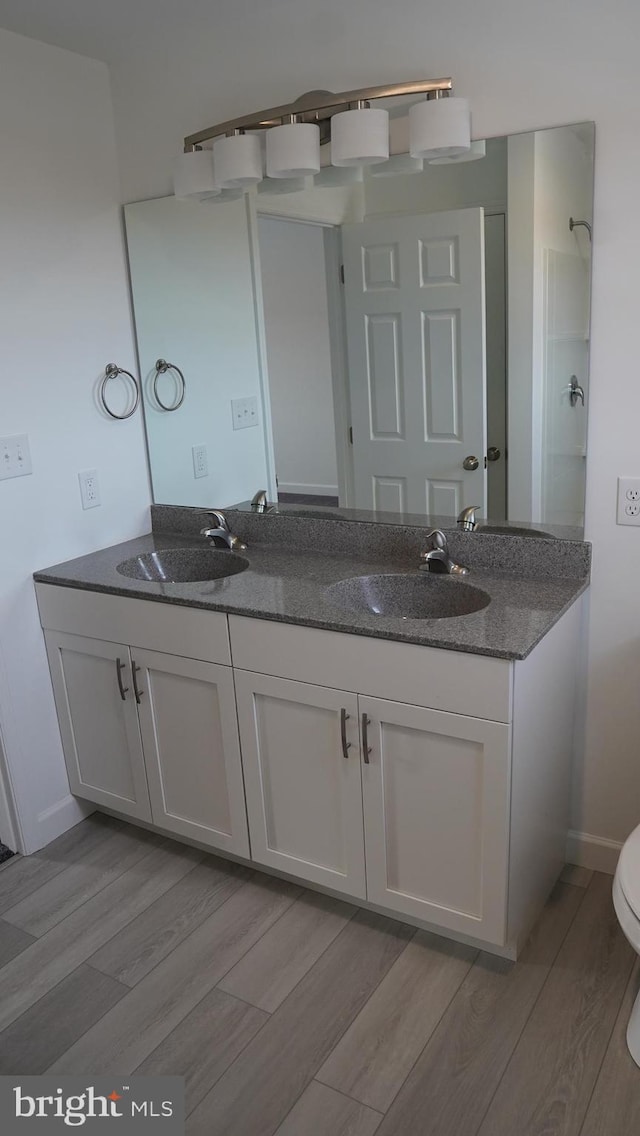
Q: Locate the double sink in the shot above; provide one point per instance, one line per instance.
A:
(416, 595)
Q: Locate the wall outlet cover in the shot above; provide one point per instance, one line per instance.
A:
(200, 461)
(628, 512)
(89, 488)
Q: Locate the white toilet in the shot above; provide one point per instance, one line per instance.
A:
(626, 900)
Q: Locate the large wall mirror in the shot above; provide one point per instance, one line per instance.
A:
(410, 342)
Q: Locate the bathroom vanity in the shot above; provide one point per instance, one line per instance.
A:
(418, 766)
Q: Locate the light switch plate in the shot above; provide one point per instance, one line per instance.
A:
(15, 456)
(628, 501)
(244, 412)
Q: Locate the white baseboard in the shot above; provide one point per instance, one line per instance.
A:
(59, 818)
(593, 852)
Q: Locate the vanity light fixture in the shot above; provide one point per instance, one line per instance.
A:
(440, 127)
(359, 134)
(237, 160)
(360, 137)
(293, 150)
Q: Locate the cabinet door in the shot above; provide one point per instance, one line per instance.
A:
(190, 738)
(304, 797)
(436, 809)
(98, 722)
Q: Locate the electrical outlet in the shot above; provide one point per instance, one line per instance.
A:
(89, 488)
(200, 461)
(244, 412)
(15, 457)
(628, 501)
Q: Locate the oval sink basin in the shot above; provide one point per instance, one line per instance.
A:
(419, 596)
(183, 565)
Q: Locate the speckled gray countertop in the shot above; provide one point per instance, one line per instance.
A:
(530, 582)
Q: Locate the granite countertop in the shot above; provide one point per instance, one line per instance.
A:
(287, 583)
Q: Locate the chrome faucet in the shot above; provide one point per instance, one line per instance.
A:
(467, 518)
(259, 502)
(222, 532)
(437, 558)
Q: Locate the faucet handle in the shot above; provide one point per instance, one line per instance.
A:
(438, 539)
(467, 518)
(219, 518)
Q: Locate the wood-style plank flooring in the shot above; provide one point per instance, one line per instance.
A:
(293, 1014)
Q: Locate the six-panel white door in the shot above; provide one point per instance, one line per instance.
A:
(414, 292)
(436, 809)
(302, 779)
(189, 730)
(93, 688)
(415, 300)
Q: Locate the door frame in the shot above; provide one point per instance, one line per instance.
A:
(338, 349)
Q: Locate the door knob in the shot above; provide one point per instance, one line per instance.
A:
(470, 463)
(493, 454)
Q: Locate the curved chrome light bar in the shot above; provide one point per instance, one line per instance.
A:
(318, 107)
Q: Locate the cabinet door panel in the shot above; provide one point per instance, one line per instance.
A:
(190, 738)
(304, 799)
(99, 729)
(436, 804)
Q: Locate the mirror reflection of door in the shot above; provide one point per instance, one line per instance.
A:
(417, 389)
(415, 316)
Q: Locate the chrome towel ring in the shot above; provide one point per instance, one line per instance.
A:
(161, 368)
(111, 371)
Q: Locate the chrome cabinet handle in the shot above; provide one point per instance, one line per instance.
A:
(136, 690)
(470, 463)
(123, 689)
(346, 746)
(366, 748)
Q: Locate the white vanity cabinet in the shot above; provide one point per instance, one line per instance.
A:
(427, 783)
(304, 796)
(99, 722)
(149, 733)
(414, 815)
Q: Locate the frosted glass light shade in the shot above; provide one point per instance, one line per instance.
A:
(293, 150)
(237, 161)
(439, 128)
(193, 175)
(360, 137)
(476, 150)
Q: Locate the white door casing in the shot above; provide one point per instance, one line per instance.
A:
(436, 809)
(415, 302)
(304, 797)
(99, 727)
(189, 732)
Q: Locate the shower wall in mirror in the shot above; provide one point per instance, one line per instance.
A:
(407, 344)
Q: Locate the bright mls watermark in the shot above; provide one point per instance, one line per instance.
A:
(132, 1106)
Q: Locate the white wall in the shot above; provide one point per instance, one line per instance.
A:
(195, 306)
(294, 289)
(523, 66)
(63, 316)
